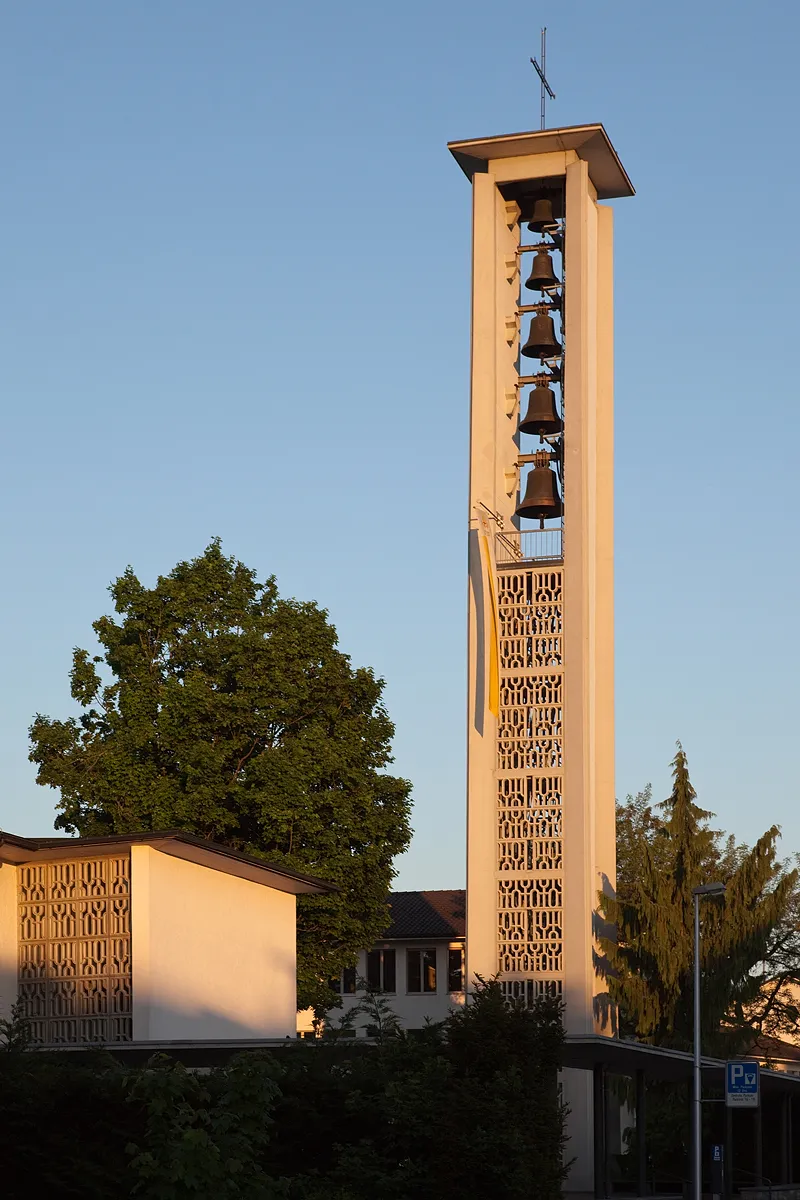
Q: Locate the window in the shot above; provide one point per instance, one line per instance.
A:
(455, 969)
(421, 967)
(381, 972)
(349, 981)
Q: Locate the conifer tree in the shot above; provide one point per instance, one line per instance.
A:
(749, 936)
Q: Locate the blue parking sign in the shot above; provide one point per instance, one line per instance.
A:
(742, 1084)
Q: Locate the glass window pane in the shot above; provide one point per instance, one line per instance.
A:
(455, 972)
(336, 984)
(389, 973)
(429, 970)
(349, 981)
(414, 971)
(374, 969)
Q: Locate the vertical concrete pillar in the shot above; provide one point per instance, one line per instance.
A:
(729, 1153)
(641, 1132)
(599, 1124)
(9, 935)
(790, 1138)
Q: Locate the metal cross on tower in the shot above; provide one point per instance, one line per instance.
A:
(540, 71)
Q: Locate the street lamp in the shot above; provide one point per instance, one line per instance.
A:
(708, 889)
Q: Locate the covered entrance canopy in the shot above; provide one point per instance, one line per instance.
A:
(605, 1056)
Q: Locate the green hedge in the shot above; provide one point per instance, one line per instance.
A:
(467, 1108)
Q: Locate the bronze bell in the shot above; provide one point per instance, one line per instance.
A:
(542, 215)
(541, 492)
(542, 274)
(541, 417)
(541, 341)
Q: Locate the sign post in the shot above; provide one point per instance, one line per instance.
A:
(717, 1171)
(742, 1084)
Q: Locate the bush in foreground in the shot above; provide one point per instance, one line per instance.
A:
(469, 1107)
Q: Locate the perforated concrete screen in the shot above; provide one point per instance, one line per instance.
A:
(529, 779)
(75, 950)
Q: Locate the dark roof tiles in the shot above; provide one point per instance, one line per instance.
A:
(440, 914)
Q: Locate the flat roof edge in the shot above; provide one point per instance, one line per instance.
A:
(590, 142)
(178, 843)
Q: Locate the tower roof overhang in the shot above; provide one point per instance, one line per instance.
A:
(590, 142)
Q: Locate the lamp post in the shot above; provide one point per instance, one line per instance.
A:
(708, 889)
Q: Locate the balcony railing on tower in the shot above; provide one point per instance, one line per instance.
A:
(529, 545)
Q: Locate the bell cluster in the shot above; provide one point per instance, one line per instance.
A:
(542, 499)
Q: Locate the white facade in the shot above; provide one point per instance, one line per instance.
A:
(415, 1007)
(149, 939)
(418, 966)
(213, 955)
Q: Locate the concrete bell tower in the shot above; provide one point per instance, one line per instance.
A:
(540, 802)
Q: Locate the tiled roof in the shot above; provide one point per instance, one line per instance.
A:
(439, 914)
(775, 1049)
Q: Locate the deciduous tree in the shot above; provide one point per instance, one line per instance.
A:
(219, 707)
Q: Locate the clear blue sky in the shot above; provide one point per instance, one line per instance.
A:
(235, 289)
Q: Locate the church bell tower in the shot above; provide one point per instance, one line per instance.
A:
(540, 780)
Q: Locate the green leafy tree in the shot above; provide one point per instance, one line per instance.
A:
(65, 1125)
(204, 1135)
(381, 1020)
(637, 826)
(221, 708)
(467, 1107)
(750, 938)
(15, 1030)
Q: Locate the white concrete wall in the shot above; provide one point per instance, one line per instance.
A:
(493, 451)
(9, 925)
(213, 955)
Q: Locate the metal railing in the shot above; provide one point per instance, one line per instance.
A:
(762, 1185)
(529, 545)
